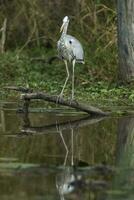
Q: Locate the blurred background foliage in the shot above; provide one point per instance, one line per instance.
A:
(33, 30)
(37, 22)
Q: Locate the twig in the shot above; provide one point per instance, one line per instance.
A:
(19, 89)
(43, 60)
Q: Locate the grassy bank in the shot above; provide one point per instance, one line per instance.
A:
(25, 71)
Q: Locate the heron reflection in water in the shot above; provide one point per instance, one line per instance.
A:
(66, 179)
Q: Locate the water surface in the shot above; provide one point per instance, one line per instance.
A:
(60, 154)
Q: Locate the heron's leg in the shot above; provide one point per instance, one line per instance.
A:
(72, 144)
(73, 62)
(61, 94)
(64, 143)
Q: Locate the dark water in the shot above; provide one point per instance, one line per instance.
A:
(59, 154)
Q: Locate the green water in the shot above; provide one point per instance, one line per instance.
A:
(44, 152)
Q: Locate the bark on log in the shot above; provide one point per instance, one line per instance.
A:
(27, 96)
(44, 96)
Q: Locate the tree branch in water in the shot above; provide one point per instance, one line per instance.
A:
(28, 95)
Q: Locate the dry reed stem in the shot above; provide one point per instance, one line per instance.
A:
(3, 36)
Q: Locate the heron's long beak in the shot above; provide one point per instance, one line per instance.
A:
(61, 29)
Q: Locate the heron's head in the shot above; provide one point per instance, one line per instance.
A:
(65, 22)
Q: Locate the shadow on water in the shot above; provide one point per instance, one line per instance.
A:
(62, 155)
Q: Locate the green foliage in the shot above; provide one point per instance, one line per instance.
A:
(35, 25)
(22, 71)
(37, 22)
(32, 31)
(108, 95)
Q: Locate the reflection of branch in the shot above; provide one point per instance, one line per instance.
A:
(52, 128)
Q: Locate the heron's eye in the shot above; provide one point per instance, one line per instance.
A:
(70, 41)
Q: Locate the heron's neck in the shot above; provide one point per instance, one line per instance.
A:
(64, 32)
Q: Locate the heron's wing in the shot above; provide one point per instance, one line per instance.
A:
(58, 46)
(74, 47)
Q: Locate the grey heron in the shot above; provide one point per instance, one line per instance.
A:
(69, 49)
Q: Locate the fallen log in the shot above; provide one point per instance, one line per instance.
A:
(73, 104)
(28, 95)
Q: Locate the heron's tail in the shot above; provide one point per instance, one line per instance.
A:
(80, 61)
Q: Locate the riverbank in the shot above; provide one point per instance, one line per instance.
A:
(23, 70)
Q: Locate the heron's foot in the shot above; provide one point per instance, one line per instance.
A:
(59, 98)
(58, 127)
(73, 100)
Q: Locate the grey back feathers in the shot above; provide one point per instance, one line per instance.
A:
(69, 48)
